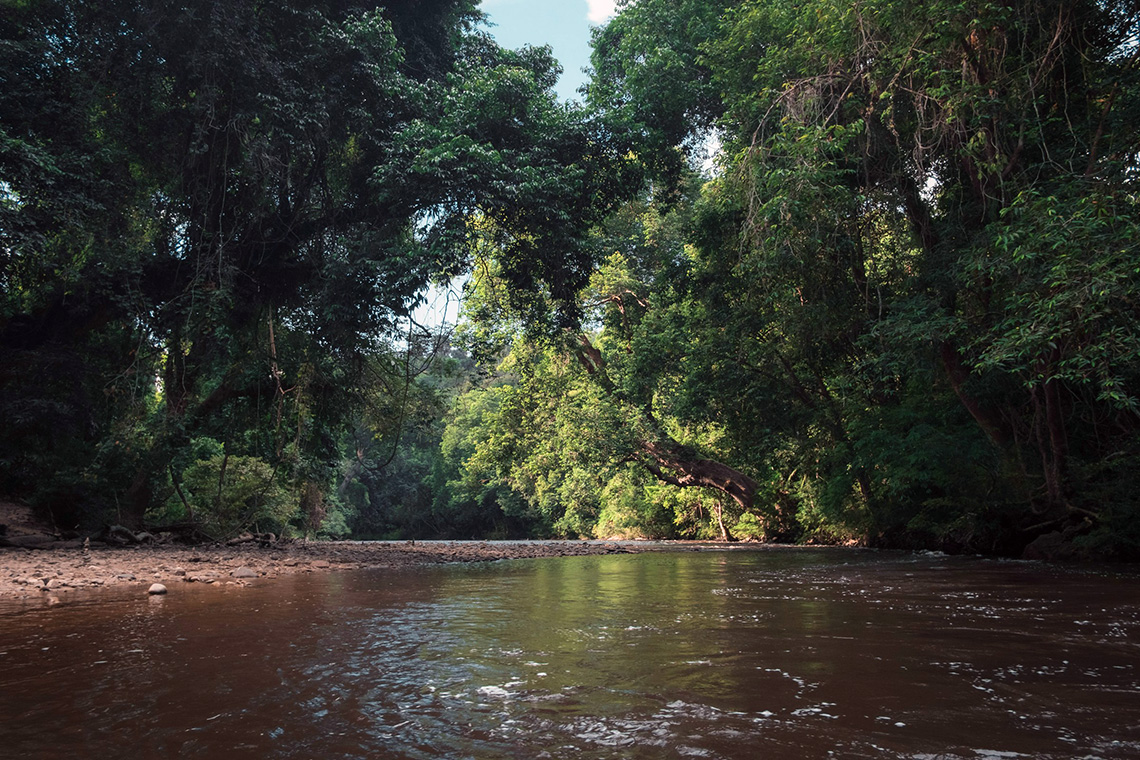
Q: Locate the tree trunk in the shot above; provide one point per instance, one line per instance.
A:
(670, 463)
(718, 510)
(138, 499)
(1052, 439)
(668, 460)
(989, 421)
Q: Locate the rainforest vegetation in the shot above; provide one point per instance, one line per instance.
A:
(900, 306)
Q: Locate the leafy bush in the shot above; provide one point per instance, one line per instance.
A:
(230, 494)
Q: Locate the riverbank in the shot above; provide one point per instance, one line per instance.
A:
(34, 562)
(61, 569)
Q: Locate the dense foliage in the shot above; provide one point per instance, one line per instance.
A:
(214, 219)
(901, 308)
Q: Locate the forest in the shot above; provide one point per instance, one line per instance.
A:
(899, 307)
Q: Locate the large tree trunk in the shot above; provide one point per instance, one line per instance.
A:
(669, 463)
(668, 460)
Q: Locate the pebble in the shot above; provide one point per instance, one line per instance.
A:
(243, 572)
(156, 588)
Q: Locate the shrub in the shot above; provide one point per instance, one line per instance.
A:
(231, 494)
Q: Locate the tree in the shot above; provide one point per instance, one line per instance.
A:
(651, 81)
(220, 212)
(386, 481)
(579, 409)
(918, 208)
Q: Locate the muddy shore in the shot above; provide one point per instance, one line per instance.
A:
(54, 572)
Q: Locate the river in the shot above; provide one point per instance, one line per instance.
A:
(769, 653)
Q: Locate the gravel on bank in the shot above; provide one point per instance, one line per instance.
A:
(56, 569)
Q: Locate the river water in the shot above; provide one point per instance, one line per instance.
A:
(771, 653)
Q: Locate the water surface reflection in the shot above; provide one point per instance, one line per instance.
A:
(772, 653)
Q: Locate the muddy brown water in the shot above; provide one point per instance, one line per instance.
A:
(728, 654)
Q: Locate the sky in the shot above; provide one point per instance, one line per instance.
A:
(562, 24)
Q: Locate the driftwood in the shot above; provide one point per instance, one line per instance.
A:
(186, 531)
(245, 538)
(117, 534)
